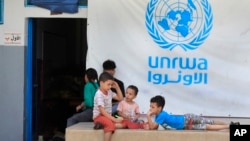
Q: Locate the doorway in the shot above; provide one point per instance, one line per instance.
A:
(59, 47)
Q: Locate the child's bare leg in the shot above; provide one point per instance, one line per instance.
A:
(217, 122)
(119, 126)
(217, 127)
(107, 136)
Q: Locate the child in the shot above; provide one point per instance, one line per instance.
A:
(103, 105)
(128, 109)
(90, 87)
(179, 122)
(110, 67)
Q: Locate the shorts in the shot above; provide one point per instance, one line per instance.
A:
(196, 122)
(109, 125)
(131, 124)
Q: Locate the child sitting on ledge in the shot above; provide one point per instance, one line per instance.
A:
(128, 109)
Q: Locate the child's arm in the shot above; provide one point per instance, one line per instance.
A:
(120, 108)
(106, 114)
(123, 115)
(152, 125)
(137, 112)
(80, 106)
(137, 116)
(119, 95)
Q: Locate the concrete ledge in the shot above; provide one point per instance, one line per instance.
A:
(85, 132)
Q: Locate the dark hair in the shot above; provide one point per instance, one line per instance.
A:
(91, 74)
(159, 100)
(108, 65)
(105, 76)
(133, 87)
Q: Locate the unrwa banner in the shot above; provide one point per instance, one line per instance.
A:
(195, 53)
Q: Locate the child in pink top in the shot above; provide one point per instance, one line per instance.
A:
(128, 109)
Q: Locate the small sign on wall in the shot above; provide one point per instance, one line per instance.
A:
(12, 38)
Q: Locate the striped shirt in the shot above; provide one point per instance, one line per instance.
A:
(103, 100)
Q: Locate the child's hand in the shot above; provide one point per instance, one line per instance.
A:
(149, 113)
(115, 85)
(119, 119)
(146, 126)
(126, 116)
(79, 107)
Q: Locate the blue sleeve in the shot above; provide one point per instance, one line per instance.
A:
(160, 118)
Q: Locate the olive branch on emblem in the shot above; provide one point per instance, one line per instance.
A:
(195, 43)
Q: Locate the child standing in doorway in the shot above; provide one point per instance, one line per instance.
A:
(102, 112)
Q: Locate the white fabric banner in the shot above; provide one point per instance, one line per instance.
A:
(194, 53)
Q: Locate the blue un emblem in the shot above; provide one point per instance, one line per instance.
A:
(185, 24)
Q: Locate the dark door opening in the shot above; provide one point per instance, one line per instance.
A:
(58, 63)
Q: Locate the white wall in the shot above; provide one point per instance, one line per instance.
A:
(16, 14)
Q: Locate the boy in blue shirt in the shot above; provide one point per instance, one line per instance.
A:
(180, 122)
